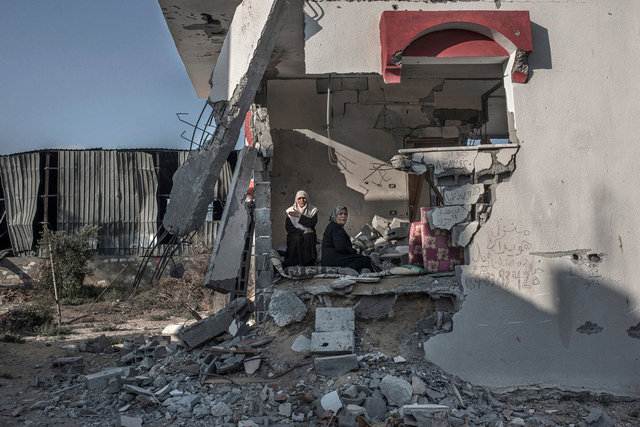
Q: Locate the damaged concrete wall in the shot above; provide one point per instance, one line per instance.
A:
(551, 295)
(369, 122)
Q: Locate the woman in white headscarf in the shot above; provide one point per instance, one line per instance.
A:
(301, 234)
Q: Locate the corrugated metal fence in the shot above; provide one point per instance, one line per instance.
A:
(116, 190)
(20, 184)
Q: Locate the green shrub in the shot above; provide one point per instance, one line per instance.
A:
(71, 254)
(28, 320)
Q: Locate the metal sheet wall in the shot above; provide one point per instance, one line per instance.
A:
(20, 183)
(115, 190)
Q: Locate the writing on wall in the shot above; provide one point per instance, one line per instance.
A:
(504, 261)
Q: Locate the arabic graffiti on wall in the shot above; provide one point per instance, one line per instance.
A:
(504, 261)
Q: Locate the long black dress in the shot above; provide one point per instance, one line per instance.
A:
(337, 250)
(301, 246)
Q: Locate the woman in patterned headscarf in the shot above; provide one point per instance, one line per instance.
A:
(301, 234)
(337, 250)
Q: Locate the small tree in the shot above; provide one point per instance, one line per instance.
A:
(71, 254)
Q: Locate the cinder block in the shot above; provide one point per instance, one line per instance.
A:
(335, 319)
(323, 84)
(336, 365)
(335, 342)
(355, 83)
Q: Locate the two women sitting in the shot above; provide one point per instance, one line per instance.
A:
(337, 250)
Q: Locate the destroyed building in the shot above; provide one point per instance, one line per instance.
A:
(513, 120)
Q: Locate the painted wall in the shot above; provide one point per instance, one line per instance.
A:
(552, 293)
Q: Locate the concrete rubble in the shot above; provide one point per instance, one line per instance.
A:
(236, 380)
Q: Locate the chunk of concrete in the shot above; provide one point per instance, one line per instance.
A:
(446, 217)
(302, 344)
(418, 386)
(172, 331)
(252, 365)
(597, 418)
(99, 380)
(336, 365)
(331, 402)
(375, 306)
(286, 308)
(226, 255)
(380, 224)
(426, 415)
(397, 391)
(376, 406)
(335, 319)
(334, 342)
(214, 325)
(465, 195)
(126, 421)
(462, 234)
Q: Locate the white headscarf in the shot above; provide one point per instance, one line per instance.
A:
(308, 210)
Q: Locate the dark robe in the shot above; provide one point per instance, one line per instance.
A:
(337, 250)
(301, 246)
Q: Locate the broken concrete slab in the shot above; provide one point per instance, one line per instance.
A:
(426, 415)
(286, 308)
(376, 406)
(335, 319)
(465, 195)
(99, 380)
(331, 402)
(214, 325)
(375, 307)
(397, 391)
(335, 365)
(252, 365)
(446, 217)
(335, 342)
(226, 256)
(462, 234)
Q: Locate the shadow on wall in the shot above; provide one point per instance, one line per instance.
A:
(301, 162)
(540, 58)
(548, 318)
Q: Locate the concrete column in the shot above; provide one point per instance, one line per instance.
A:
(227, 255)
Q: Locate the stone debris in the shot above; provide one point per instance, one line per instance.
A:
(286, 308)
(207, 329)
(336, 365)
(235, 380)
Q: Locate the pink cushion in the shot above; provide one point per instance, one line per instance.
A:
(438, 254)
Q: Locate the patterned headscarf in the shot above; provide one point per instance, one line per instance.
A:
(336, 211)
(308, 210)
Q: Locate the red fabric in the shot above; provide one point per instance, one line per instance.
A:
(438, 253)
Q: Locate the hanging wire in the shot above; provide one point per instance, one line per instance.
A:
(331, 152)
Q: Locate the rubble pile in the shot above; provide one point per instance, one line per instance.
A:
(385, 241)
(228, 379)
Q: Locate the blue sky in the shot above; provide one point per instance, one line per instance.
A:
(90, 73)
